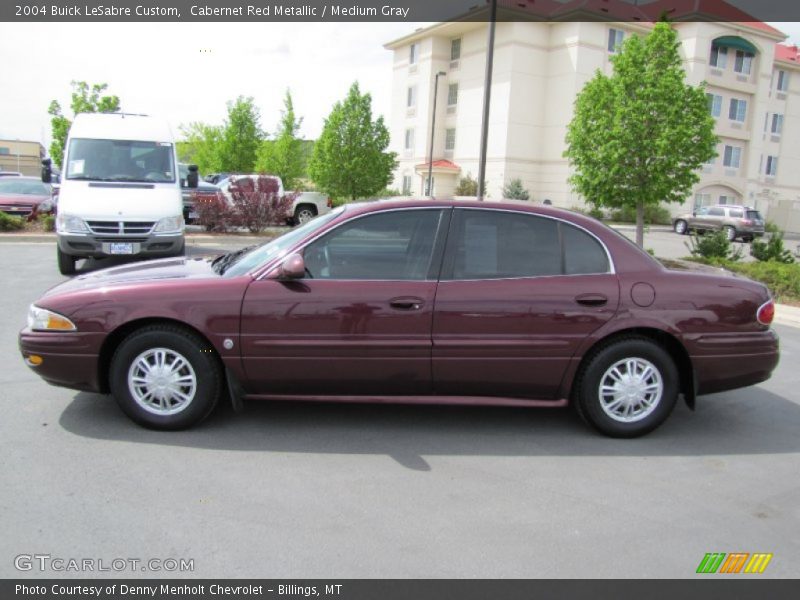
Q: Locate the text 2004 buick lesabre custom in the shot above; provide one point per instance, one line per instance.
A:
(428, 301)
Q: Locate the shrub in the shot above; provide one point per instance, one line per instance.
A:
(514, 191)
(596, 213)
(48, 222)
(713, 245)
(468, 186)
(653, 215)
(257, 203)
(772, 249)
(783, 279)
(214, 213)
(11, 223)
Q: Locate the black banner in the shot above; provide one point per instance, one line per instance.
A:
(396, 10)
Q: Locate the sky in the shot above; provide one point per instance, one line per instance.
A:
(188, 71)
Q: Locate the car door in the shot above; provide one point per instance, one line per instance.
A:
(360, 322)
(518, 294)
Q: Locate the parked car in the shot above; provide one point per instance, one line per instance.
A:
(424, 301)
(736, 221)
(189, 195)
(25, 196)
(305, 206)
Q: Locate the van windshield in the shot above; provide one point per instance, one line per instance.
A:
(120, 160)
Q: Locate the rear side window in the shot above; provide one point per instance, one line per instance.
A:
(735, 213)
(486, 244)
(716, 212)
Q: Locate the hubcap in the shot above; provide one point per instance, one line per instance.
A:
(630, 390)
(162, 381)
(731, 234)
(680, 226)
(304, 216)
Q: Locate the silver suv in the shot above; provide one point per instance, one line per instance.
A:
(736, 221)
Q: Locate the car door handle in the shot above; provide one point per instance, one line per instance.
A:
(592, 299)
(406, 303)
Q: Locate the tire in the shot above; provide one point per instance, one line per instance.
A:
(66, 262)
(730, 233)
(304, 213)
(681, 227)
(618, 414)
(748, 239)
(152, 400)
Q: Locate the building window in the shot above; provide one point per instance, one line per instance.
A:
(783, 81)
(771, 168)
(412, 54)
(411, 98)
(406, 185)
(719, 56)
(615, 38)
(452, 94)
(738, 110)
(714, 104)
(455, 49)
(4, 150)
(450, 139)
(777, 124)
(718, 212)
(702, 200)
(732, 157)
(430, 186)
(743, 62)
(409, 139)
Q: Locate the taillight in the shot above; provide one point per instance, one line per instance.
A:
(766, 312)
(747, 222)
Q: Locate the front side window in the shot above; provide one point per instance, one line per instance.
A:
(732, 157)
(120, 160)
(500, 245)
(743, 62)
(390, 246)
(452, 94)
(615, 38)
(455, 49)
(738, 110)
(719, 56)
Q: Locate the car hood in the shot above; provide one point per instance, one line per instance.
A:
(22, 198)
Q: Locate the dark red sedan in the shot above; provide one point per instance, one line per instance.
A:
(426, 301)
(24, 196)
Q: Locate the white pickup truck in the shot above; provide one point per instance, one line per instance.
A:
(305, 206)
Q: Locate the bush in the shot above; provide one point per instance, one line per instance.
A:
(783, 279)
(713, 246)
(48, 222)
(653, 215)
(468, 186)
(10, 223)
(772, 249)
(514, 191)
(596, 213)
(257, 203)
(214, 213)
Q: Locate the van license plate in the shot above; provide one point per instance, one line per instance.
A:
(117, 248)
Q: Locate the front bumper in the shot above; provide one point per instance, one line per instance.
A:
(99, 246)
(68, 359)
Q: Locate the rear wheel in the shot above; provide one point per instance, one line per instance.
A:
(165, 377)
(730, 233)
(304, 213)
(66, 262)
(681, 227)
(627, 388)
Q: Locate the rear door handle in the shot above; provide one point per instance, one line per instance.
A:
(592, 299)
(406, 303)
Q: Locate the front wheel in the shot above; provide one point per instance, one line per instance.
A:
(66, 262)
(165, 377)
(681, 227)
(627, 388)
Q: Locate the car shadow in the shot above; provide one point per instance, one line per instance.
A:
(750, 421)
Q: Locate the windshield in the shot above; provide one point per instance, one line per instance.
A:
(279, 246)
(120, 160)
(28, 187)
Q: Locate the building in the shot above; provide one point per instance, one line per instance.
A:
(23, 157)
(539, 67)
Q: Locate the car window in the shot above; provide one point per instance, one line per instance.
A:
(716, 212)
(735, 213)
(703, 210)
(396, 245)
(583, 254)
(754, 214)
(16, 185)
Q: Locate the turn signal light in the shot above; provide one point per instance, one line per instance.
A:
(34, 360)
(766, 312)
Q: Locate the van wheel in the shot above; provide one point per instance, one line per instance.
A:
(627, 388)
(165, 377)
(66, 262)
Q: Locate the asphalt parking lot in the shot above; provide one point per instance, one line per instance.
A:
(350, 491)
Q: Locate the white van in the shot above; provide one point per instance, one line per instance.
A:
(120, 193)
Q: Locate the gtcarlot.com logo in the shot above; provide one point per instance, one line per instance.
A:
(47, 562)
(735, 562)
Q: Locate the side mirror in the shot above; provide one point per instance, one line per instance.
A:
(293, 267)
(47, 170)
(192, 177)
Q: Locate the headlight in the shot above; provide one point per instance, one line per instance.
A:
(45, 206)
(40, 319)
(169, 224)
(70, 224)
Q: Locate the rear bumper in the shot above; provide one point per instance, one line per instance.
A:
(98, 246)
(68, 359)
(730, 361)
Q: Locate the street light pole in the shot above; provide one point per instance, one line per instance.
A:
(487, 96)
(433, 129)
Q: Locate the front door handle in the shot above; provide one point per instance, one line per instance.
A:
(592, 299)
(406, 303)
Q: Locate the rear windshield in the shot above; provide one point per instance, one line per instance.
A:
(754, 214)
(120, 160)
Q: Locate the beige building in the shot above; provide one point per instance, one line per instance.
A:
(539, 67)
(22, 157)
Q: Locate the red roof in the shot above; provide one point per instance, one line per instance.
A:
(442, 164)
(787, 53)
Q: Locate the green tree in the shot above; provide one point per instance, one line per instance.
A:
(85, 99)
(285, 155)
(201, 146)
(515, 191)
(240, 137)
(639, 136)
(350, 158)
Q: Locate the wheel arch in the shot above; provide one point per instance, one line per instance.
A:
(310, 205)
